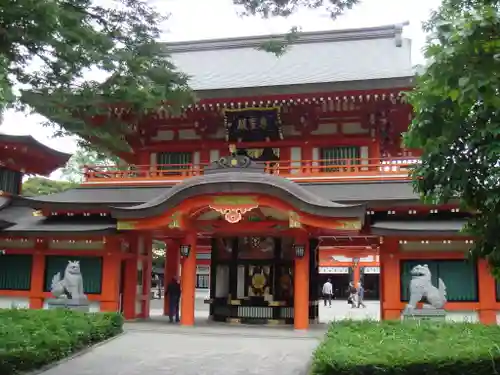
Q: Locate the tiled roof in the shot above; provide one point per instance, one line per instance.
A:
(125, 196)
(317, 57)
(28, 140)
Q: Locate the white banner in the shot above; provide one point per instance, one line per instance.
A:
(334, 270)
(371, 270)
(202, 270)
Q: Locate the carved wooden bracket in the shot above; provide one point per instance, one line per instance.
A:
(233, 208)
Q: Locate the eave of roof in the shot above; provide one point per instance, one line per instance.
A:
(378, 193)
(29, 140)
(15, 220)
(38, 227)
(241, 181)
(431, 228)
(60, 158)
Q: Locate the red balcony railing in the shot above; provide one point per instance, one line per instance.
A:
(296, 170)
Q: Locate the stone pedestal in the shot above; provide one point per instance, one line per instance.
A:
(71, 304)
(438, 315)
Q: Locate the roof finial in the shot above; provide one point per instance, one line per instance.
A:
(398, 28)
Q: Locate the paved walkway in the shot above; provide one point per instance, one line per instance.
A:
(341, 310)
(159, 349)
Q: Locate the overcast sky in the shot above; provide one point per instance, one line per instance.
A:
(206, 19)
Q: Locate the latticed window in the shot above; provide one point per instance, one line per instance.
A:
(10, 181)
(91, 268)
(174, 160)
(342, 155)
(459, 276)
(15, 272)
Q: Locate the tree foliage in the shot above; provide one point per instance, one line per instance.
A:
(457, 118)
(55, 49)
(285, 8)
(73, 170)
(35, 186)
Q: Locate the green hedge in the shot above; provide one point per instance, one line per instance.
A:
(30, 339)
(409, 348)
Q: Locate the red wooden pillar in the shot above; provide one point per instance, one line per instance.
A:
(390, 279)
(487, 294)
(147, 268)
(188, 282)
(37, 278)
(130, 288)
(172, 259)
(356, 274)
(131, 274)
(301, 286)
(306, 156)
(111, 273)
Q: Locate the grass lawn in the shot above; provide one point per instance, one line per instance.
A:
(409, 348)
(30, 339)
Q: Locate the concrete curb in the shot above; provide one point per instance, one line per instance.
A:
(72, 356)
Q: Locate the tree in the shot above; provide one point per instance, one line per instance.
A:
(159, 251)
(51, 48)
(285, 8)
(35, 186)
(73, 170)
(457, 118)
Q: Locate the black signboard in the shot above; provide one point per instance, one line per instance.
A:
(253, 124)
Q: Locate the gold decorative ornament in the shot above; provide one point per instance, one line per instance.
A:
(126, 225)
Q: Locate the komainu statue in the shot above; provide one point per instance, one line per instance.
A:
(421, 287)
(71, 285)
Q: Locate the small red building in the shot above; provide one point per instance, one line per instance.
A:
(287, 171)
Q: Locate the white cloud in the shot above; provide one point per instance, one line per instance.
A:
(202, 19)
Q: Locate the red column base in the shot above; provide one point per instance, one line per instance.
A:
(488, 317)
(391, 314)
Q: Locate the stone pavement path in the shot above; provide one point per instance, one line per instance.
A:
(154, 348)
(341, 310)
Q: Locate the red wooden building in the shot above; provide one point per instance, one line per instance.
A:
(287, 170)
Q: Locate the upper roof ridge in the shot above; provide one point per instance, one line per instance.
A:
(378, 32)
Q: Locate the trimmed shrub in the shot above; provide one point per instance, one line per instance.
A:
(30, 339)
(409, 348)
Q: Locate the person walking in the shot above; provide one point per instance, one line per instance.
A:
(328, 292)
(352, 295)
(173, 292)
(361, 295)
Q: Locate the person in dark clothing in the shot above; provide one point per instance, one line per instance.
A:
(351, 300)
(173, 292)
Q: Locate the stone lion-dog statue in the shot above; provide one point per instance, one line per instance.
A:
(71, 285)
(421, 287)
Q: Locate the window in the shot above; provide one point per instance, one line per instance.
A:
(91, 268)
(459, 276)
(15, 272)
(10, 181)
(173, 160)
(202, 281)
(337, 156)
